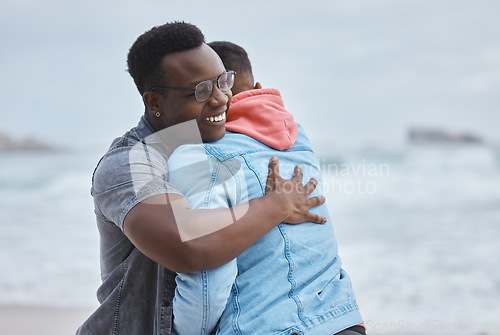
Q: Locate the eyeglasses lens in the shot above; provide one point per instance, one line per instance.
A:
(203, 91)
(226, 81)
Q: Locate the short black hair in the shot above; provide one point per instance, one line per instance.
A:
(145, 55)
(233, 56)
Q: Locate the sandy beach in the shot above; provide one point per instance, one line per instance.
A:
(24, 320)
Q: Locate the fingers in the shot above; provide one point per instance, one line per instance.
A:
(297, 173)
(274, 172)
(316, 201)
(315, 218)
(312, 217)
(311, 185)
(274, 166)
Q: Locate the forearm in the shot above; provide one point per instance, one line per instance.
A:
(154, 227)
(223, 234)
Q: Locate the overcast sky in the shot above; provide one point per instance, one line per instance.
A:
(353, 72)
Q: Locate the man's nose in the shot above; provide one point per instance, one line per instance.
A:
(218, 97)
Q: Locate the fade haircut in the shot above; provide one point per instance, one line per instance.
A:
(145, 55)
(233, 56)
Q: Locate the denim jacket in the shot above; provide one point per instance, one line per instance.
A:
(291, 280)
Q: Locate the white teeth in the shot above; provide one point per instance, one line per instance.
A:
(217, 118)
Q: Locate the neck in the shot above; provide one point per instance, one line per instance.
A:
(153, 120)
(175, 135)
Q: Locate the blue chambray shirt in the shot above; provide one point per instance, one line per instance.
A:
(136, 293)
(291, 280)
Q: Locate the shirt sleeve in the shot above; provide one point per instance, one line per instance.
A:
(201, 297)
(126, 176)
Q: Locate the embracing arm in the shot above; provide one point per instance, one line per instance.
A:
(152, 225)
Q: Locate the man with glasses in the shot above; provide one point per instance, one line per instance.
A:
(148, 230)
(291, 280)
(203, 91)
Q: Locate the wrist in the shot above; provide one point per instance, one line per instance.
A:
(280, 205)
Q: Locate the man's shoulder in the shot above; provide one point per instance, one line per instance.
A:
(302, 140)
(142, 132)
(124, 155)
(235, 144)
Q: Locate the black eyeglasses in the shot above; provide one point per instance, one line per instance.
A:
(203, 90)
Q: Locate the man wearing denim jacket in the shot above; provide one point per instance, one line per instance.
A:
(290, 281)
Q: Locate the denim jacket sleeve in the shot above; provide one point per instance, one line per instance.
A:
(201, 297)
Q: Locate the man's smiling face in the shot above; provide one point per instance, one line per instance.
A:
(186, 69)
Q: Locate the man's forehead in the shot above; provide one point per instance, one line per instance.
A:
(192, 66)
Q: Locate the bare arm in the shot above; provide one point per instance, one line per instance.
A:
(152, 224)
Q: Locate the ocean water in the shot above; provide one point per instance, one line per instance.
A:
(49, 247)
(419, 236)
(418, 230)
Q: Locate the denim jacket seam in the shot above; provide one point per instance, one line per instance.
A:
(236, 304)
(236, 177)
(216, 168)
(296, 147)
(290, 277)
(162, 314)
(334, 312)
(239, 199)
(118, 299)
(210, 189)
(162, 310)
(226, 155)
(206, 312)
(300, 147)
(167, 328)
(254, 171)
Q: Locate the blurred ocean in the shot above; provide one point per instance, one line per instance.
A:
(418, 229)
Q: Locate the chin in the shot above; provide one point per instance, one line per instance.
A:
(213, 136)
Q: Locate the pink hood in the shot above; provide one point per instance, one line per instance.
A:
(261, 114)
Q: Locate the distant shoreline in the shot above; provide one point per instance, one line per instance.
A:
(8, 144)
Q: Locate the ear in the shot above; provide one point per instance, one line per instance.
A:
(151, 100)
(257, 86)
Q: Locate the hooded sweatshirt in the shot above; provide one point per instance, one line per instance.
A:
(261, 114)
